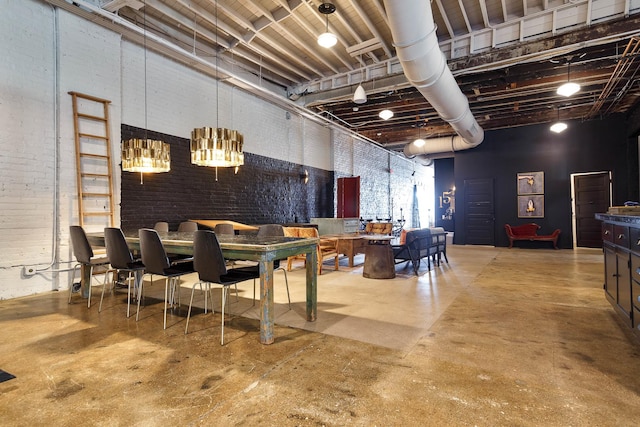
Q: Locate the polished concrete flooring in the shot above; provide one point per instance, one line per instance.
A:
(519, 337)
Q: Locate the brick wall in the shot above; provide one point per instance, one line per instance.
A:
(265, 190)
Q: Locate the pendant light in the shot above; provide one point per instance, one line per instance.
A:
(569, 88)
(217, 147)
(419, 142)
(145, 155)
(327, 39)
(360, 96)
(385, 114)
(558, 126)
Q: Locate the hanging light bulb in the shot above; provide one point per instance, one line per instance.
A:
(419, 142)
(385, 114)
(558, 126)
(327, 39)
(569, 88)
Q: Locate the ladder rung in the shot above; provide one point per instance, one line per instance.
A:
(96, 214)
(96, 194)
(89, 116)
(88, 135)
(95, 156)
(96, 175)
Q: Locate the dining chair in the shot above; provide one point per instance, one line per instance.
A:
(187, 226)
(210, 265)
(83, 253)
(121, 259)
(224, 229)
(161, 226)
(155, 260)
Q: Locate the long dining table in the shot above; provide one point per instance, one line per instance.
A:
(264, 250)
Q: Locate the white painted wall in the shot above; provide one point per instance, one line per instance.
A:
(46, 54)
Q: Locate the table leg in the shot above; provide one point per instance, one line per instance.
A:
(312, 286)
(266, 302)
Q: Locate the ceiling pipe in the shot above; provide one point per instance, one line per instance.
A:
(414, 36)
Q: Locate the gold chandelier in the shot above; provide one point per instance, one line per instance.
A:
(216, 147)
(145, 156)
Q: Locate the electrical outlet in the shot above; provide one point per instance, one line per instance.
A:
(29, 270)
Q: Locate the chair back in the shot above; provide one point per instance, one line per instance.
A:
(224, 229)
(208, 260)
(117, 249)
(154, 257)
(187, 226)
(80, 244)
(161, 226)
(270, 230)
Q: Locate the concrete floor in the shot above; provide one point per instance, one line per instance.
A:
(495, 337)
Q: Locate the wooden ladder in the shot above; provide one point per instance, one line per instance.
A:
(93, 158)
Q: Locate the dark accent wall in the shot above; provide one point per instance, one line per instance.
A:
(598, 145)
(263, 191)
(443, 172)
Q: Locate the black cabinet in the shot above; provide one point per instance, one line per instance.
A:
(621, 247)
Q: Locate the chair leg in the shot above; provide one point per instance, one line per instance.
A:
(186, 328)
(224, 298)
(286, 281)
(89, 286)
(166, 299)
(140, 296)
(73, 277)
(114, 276)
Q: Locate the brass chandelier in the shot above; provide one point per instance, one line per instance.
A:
(216, 147)
(145, 156)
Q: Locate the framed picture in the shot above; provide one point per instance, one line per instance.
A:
(531, 183)
(531, 206)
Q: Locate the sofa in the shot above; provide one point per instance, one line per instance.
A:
(422, 243)
(530, 232)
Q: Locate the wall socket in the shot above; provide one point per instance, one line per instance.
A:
(29, 270)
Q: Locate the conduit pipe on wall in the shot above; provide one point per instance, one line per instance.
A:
(414, 36)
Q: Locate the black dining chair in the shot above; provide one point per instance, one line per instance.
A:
(210, 265)
(224, 229)
(122, 260)
(155, 260)
(84, 255)
(161, 226)
(186, 226)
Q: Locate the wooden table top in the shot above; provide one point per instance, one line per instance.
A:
(211, 223)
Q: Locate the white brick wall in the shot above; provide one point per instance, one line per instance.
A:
(96, 61)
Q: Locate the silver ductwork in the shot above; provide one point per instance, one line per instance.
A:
(424, 65)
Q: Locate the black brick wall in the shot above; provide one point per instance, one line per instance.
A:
(264, 191)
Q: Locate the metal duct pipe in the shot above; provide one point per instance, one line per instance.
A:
(414, 36)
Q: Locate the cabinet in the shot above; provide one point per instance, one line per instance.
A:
(622, 270)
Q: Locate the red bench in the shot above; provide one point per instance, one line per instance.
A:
(530, 232)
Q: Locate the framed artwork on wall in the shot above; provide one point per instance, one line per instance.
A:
(531, 206)
(530, 183)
